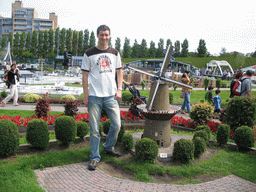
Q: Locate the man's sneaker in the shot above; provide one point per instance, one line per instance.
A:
(92, 165)
(3, 104)
(113, 153)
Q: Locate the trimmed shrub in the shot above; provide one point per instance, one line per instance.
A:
(240, 111)
(127, 141)
(204, 128)
(38, 133)
(206, 83)
(223, 133)
(106, 126)
(68, 97)
(170, 98)
(65, 129)
(31, 97)
(184, 150)
(82, 129)
(200, 146)
(42, 107)
(218, 83)
(126, 97)
(71, 108)
(146, 150)
(9, 137)
(3, 93)
(203, 134)
(244, 137)
(201, 113)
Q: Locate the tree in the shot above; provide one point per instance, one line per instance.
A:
(28, 42)
(34, 41)
(118, 44)
(16, 42)
(160, 49)
(177, 48)
(22, 43)
(50, 40)
(143, 50)
(40, 49)
(92, 40)
(135, 49)
(57, 41)
(168, 42)
(202, 50)
(127, 48)
(10, 39)
(152, 50)
(223, 51)
(184, 50)
(74, 43)
(62, 40)
(86, 40)
(69, 40)
(80, 43)
(45, 44)
(4, 42)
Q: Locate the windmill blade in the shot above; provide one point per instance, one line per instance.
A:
(146, 73)
(177, 82)
(154, 95)
(166, 60)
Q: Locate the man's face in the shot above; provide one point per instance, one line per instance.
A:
(103, 37)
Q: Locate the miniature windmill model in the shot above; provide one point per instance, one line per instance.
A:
(158, 111)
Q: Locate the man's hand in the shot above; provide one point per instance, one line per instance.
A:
(118, 94)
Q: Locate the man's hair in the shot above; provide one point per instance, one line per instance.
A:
(210, 88)
(238, 75)
(103, 28)
(249, 73)
(217, 91)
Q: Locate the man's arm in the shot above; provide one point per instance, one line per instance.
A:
(119, 73)
(85, 87)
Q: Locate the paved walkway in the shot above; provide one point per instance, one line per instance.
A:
(76, 177)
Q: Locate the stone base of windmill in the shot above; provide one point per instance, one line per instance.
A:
(159, 131)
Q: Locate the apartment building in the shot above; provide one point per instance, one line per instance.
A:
(26, 19)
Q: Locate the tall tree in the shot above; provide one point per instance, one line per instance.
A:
(69, 40)
(56, 41)
(118, 44)
(80, 43)
(92, 40)
(223, 51)
(40, 49)
(50, 40)
(135, 49)
(202, 50)
(3, 42)
(28, 42)
(152, 50)
(74, 43)
(45, 44)
(127, 48)
(10, 39)
(184, 50)
(143, 53)
(16, 42)
(22, 43)
(34, 42)
(177, 48)
(62, 44)
(160, 49)
(168, 42)
(86, 40)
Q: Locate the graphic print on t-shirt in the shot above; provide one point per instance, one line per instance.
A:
(104, 62)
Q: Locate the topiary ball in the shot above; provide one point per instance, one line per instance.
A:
(106, 126)
(9, 137)
(65, 129)
(184, 150)
(202, 134)
(38, 133)
(223, 133)
(82, 129)
(244, 137)
(127, 141)
(31, 97)
(200, 146)
(204, 128)
(146, 150)
(68, 97)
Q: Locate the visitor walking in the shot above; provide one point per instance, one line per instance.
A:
(246, 85)
(99, 66)
(186, 104)
(12, 80)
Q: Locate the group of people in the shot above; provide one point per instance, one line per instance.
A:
(240, 86)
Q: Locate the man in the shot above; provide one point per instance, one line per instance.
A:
(99, 65)
(246, 85)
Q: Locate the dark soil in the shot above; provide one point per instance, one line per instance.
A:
(119, 172)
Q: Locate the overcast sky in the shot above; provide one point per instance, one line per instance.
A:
(221, 23)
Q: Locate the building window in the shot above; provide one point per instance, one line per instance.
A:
(160, 133)
(162, 143)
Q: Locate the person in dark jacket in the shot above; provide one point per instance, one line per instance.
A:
(13, 77)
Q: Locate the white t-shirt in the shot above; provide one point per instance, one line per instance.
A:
(101, 65)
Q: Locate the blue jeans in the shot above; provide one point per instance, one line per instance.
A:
(94, 108)
(186, 103)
